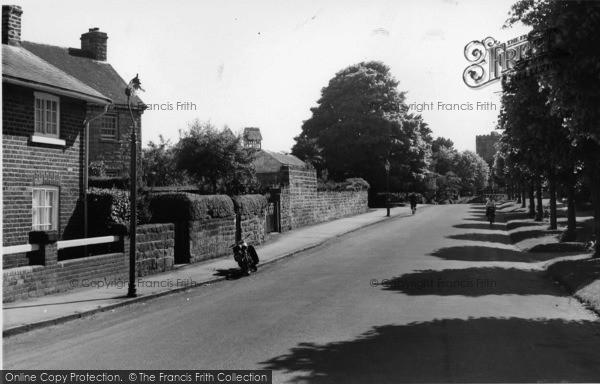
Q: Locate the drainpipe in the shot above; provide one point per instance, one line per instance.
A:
(86, 171)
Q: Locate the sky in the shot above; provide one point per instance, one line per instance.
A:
(263, 63)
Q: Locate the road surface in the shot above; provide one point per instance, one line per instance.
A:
(438, 296)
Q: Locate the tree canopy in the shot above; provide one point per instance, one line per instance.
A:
(570, 35)
(158, 165)
(359, 123)
(215, 159)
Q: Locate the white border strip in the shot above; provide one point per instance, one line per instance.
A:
(20, 248)
(80, 242)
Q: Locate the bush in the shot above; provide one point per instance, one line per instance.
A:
(97, 168)
(420, 198)
(352, 184)
(250, 205)
(356, 184)
(107, 207)
(172, 207)
(396, 199)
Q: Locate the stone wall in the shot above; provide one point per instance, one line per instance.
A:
(211, 238)
(303, 205)
(321, 207)
(155, 248)
(251, 227)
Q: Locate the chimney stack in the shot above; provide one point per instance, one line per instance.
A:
(11, 24)
(94, 42)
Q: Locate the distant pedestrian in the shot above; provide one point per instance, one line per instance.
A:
(413, 202)
(490, 206)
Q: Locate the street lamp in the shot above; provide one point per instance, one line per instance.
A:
(387, 173)
(132, 88)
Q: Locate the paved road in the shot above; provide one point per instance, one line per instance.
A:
(454, 302)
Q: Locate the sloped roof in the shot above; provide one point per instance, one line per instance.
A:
(286, 159)
(252, 133)
(97, 74)
(22, 67)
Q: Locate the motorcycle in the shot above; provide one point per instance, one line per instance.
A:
(491, 215)
(246, 256)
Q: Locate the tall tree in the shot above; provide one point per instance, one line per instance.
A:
(572, 91)
(359, 123)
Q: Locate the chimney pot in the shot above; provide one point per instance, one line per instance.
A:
(11, 24)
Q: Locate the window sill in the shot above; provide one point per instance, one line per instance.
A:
(105, 140)
(48, 140)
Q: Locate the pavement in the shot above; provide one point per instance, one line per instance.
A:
(23, 316)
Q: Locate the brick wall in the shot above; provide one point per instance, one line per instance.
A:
(110, 267)
(21, 158)
(38, 280)
(116, 154)
(155, 248)
(155, 253)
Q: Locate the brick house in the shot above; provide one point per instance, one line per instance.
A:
(52, 96)
(109, 135)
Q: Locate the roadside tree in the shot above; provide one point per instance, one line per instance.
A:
(359, 123)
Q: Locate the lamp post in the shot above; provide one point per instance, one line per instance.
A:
(133, 86)
(387, 174)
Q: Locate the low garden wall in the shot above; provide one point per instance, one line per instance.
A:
(50, 275)
(204, 225)
(155, 248)
(250, 218)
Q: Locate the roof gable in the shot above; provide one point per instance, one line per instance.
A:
(286, 159)
(269, 162)
(252, 133)
(99, 75)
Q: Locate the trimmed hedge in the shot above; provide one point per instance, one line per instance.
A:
(172, 207)
(250, 205)
(352, 184)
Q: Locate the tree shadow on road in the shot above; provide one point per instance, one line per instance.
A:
(484, 237)
(495, 227)
(482, 253)
(519, 236)
(518, 224)
(480, 218)
(473, 282)
(452, 350)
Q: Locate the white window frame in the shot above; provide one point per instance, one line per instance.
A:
(43, 116)
(114, 136)
(44, 208)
